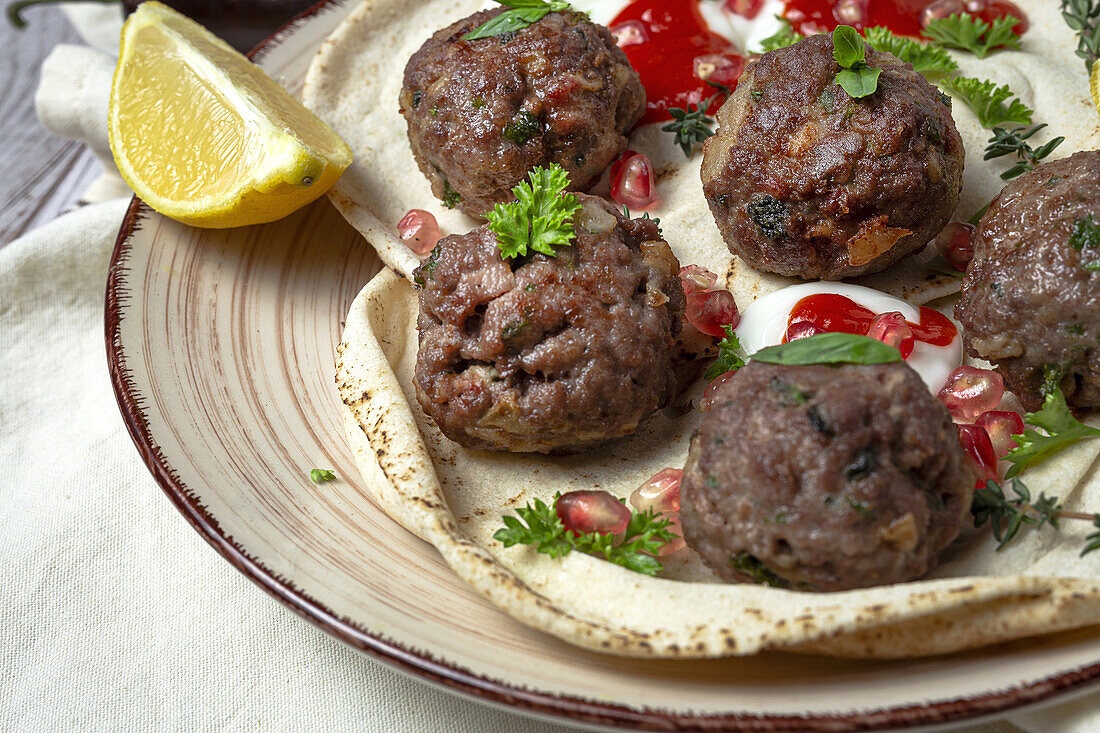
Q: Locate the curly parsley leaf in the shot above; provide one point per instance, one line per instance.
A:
(969, 33)
(1062, 430)
(729, 355)
(321, 475)
(634, 549)
(520, 14)
(988, 101)
(855, 76)
(540, 218)
(690, 126)
(1014, 142)
(830, 348)
(932, 61)
(785, 36)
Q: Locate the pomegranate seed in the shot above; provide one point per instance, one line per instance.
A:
(419, 231)
(941, 9)
(971, 391)
(892, 328)
(718, 68)
(697, 279)
(745, 8)
(592, 511)
(712, 388)
(975, 441)
(852, 12)
(1001, 425)
(955, 244)
(676, 544)
(661, 493)
(711, 310)
(801, 330)
(630, 33)
(987, 10)
(632, 182)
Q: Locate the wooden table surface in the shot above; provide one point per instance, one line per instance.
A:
(44, 174)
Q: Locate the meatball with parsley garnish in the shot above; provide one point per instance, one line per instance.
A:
(808, 179)
(824, 477)
(1031, 298)
(552, 328)
(484, 107)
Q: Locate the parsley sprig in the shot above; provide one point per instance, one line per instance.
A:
(994, 105)
(540, 218)
(969, 33)
(1061, 429)
(690, 126)
(1008, 515)
(785, 36)
(1083, 16)
(1014, 142)
(520, 14)
(634, 549)
(855, 77)
(928, 59)
(729, 355)
(321, 475)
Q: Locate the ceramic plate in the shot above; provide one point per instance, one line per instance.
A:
(221, 347)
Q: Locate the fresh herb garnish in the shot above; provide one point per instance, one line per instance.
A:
(855, 76)
(830, 348)
(930, 60)
(1061, 427)
(1083, 16)
(451, 197)
(634, 549)
(540, 218)
(987, 100)
(1007, 516)
(691, 126)
(1086, 233)
(966, 32)
(520, 14)
(1014, 142)
(729, 357)
(760, 573)
(321, 475)
(785, 36)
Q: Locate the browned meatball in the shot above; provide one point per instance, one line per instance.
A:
(1031, 298)
(824, 478)
(803, 180)
(549, 353)
(482, 113)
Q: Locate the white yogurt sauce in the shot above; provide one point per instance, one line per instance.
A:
(764, 322)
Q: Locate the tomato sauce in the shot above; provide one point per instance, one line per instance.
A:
(670, 46)
(900, 16)
(831, 312)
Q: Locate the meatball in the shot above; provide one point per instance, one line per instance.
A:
(481, 113)
(1031, 298)
(803, 180)
(549, 354)
(824, 478)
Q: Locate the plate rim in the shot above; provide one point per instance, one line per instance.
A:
(453, 677)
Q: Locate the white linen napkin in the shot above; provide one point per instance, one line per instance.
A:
(116, 614)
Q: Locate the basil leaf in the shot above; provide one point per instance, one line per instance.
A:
(848, 47)
(859, 82)
(830, 348)
(507, 22)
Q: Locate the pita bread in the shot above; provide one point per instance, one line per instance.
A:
(454, 498)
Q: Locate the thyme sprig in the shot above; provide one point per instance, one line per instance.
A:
(1014, 142)
(1083, 16)
(1008, 515)
(691, 126)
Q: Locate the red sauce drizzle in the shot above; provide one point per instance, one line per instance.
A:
(832, 312)
(901, 16)
(675, 36)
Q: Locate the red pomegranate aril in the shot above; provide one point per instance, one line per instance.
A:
(955, 244)
(719, 69)
(892, 328)
(632, 181)
(419, 231)
(745, 8)
(712, 388)
(801, 330)
(979, 449)
(711, 310)
(940, 10)
(661, 493)
(1001, 425)
(630, 33)
(592, 511)
(697, 279)
(971, 391)
(851, 12)
(676, 544)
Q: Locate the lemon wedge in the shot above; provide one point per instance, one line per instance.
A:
(204, 136)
